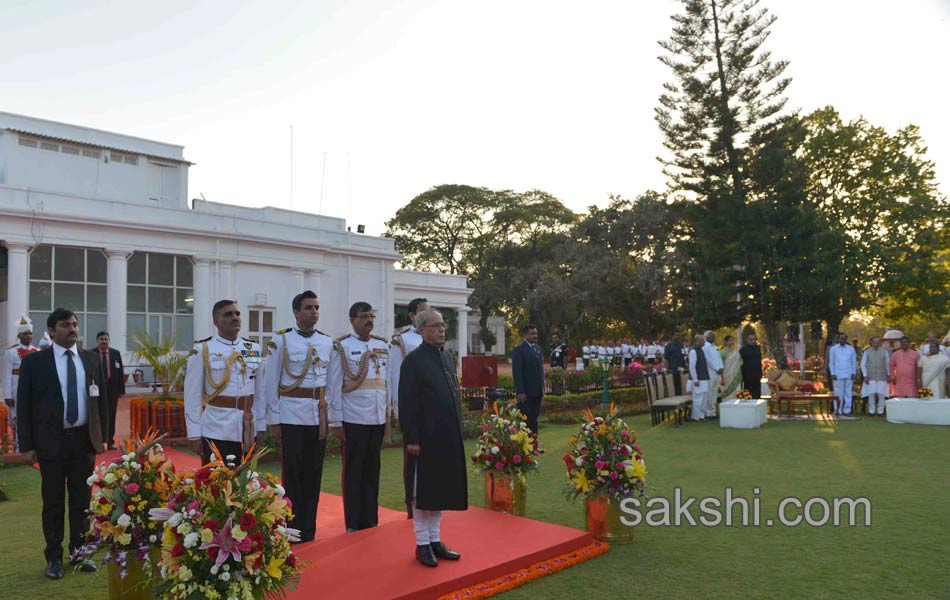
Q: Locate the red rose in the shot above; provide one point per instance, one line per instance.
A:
(215, 490)
(516, 458)
(245, 545)
(291, 560)
(248, 521)
(568, 460)
(178, 550)
(211, 524)
(202, 476)
(258, 540)
(259, 562)
(213, 553)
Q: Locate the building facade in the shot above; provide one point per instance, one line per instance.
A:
(100, 223)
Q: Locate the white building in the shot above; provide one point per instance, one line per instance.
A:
(100, 223)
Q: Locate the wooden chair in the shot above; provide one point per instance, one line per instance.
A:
(663, 404)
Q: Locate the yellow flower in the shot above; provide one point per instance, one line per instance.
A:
(184, 573)
(581, 482)
(206, 535)
(273, 568)
(125, 539)
(637, 470)
(238, 533)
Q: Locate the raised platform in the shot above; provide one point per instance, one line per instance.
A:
(919, 411)
(499, 552)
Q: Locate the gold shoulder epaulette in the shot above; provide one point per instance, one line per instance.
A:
(376, 337)
(402, 330)
(203, 341)
(321, 333)
(342, 337)
(283, 331)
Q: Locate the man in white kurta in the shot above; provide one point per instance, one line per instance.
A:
(875, 365)
(11, 370)
(716, 367)
(299, 374)
(361, 415)
(699, 378)
(842, 364)
(224, 396)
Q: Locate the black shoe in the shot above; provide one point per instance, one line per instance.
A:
(54, 569)
(425, 555)
(84, 565)
(442, 551)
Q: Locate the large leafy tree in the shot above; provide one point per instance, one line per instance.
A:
(494, 238)
(877, 191)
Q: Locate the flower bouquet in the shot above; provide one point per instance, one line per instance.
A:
(125, 492)
(924, 392)
(506, 451)
(744, 395)
(225, 534)
(605, 465)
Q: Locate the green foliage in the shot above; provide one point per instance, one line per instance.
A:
(169, 365)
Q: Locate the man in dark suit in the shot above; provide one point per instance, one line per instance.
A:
(751, 355)
(62, 424)
(527, 368)
(113, 381)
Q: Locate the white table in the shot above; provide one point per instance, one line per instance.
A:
(743, 414)
(918, 410)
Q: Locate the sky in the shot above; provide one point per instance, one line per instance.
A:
(352, 108)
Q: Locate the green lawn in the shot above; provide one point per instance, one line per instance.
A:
(902, 469)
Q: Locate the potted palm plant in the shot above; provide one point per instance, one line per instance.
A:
(165, 412)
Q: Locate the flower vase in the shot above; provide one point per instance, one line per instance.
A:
(603, 521)
(137, 584)
(506, 493)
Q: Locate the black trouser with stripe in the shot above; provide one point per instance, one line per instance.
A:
(361, 474)
(302, 453)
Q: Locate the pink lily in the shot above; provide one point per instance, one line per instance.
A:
(225, 544)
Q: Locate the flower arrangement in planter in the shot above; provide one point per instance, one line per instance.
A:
(125, 491)
(605, 465)
(924, 393)
(225, 534)
(506, 452)
(743, 395)
(166, 413)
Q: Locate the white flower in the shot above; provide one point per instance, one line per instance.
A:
(230, 457)
(92, 479)
(109, 477)
(124, 520)
(191, 540)
(160, 514)
(214, 569)
(281, 530)
(136, 466)
(579, 461)
(175, 519)
(184, 528)
(152, 539)
(280, 490)
(189, 481)
(227, 567)
(224, 576)
(495, 449)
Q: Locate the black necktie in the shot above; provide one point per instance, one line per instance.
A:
(72, 396)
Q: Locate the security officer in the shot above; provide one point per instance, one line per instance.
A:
(360, 415)
(224, 397)
(405, 340)
(297, 379)
(11, 369)
(558, 351)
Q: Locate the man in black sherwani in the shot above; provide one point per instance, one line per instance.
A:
(435, 465)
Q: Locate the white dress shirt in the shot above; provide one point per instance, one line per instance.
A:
(713, 359)
(299, 411)
(215, 422)
(410, 339)
(842, 361)
(369, 404)
(82, 393)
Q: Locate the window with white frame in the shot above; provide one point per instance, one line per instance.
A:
(259, 324)
(160, 297)
(70, 278)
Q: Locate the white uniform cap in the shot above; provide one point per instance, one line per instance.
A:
(45, 341)
(24, 324)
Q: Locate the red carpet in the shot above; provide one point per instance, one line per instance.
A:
(498, 553)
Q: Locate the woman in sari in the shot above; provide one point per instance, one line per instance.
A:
(933, 371)
(731, 369)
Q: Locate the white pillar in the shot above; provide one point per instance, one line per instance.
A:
(296, 281)
(18, 290)
(463, 330)
(312, 281)
(117, 298)
(226, 280)
(201, 307)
